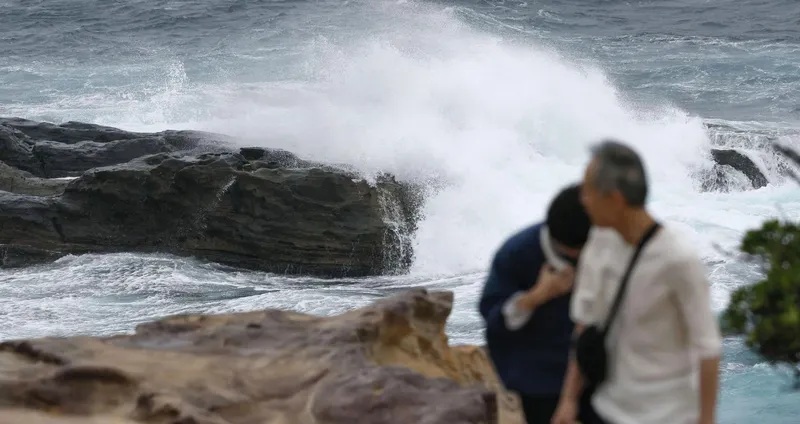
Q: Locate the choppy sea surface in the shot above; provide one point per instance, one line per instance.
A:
(498, 99)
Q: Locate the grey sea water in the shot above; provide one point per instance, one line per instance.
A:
(497, 99)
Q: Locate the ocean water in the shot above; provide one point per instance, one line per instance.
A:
(491, 103)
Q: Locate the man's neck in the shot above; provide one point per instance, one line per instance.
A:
(634, 224)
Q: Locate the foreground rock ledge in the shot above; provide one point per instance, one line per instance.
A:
(387, 363)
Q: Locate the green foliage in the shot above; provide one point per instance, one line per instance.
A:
(768, 312)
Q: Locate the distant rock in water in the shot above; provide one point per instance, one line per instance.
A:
(387, 363)
(254, 208)
(741, 163)
(729, 162)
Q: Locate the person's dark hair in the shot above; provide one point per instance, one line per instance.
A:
(620, 168)
(567, 220)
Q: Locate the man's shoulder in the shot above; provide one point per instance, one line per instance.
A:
(520, 242)
(670, 248)
(676, 247)
(601, 240)
(602, 235)
(597, 253)
(675, 256)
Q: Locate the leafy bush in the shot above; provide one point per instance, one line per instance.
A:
(768, 312)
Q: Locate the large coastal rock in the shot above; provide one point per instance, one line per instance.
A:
(254, 208)
(387, 363)
(224, 208)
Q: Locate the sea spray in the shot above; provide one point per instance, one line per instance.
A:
(501, 125)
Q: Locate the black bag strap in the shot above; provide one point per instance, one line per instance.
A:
(624, 283)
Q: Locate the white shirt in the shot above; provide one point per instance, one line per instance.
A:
(664, 325)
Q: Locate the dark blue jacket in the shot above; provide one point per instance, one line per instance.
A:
(533, 359)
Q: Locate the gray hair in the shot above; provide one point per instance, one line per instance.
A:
(620, 168)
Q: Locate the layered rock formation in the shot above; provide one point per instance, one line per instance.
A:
(48, 150)
(386, 363)
(188, 193)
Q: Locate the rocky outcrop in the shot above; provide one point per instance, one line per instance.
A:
(224, 208)
(734, 170)
(69, 132)
(69, 149)
(386, 363)
(254, 208)
(723, 175)
(74, 132)
(741, 163)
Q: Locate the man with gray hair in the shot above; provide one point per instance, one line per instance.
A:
(647, 342)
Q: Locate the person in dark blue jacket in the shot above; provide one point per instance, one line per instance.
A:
(525, 306)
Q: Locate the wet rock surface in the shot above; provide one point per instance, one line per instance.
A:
(252, 207)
